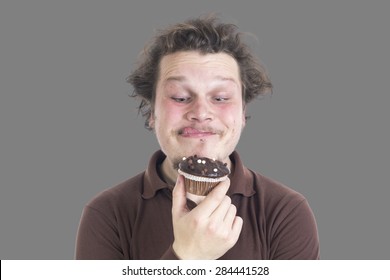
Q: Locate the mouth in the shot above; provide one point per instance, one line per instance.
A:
(191, 132)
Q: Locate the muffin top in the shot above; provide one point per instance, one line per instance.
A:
(203, 167)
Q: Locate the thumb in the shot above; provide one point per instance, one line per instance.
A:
(179, 199)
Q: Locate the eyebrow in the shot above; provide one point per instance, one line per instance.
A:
(176, 78)
(183, 79)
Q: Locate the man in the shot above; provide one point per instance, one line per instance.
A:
(195, 81)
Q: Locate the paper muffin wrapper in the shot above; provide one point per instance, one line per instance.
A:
(200, 185)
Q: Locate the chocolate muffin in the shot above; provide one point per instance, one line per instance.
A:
(202, 174)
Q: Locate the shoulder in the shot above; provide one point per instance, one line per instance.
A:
(125, 193)
(286, 219)
(272, 188)
(275, 196)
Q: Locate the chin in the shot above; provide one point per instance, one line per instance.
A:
(202, 150)
(204, 153)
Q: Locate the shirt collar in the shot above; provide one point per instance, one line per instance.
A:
(152, 180)
(241, 180)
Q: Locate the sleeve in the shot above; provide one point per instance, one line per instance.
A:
(296, 237)
(97, 237)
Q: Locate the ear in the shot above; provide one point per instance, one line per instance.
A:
(151, 120)
(244, 116)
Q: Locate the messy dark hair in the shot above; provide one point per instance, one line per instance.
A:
(205, 35)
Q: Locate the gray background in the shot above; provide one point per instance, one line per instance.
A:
(68, 129)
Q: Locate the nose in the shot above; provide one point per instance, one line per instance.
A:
(200, 110)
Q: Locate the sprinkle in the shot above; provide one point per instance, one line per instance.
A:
(184, 158)
(215, 169)
(203, 161)
(199, 161)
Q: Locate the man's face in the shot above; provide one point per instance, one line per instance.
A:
(198, 106)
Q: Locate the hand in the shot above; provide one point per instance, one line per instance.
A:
(210, 229)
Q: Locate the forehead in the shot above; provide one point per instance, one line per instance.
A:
(182, 65)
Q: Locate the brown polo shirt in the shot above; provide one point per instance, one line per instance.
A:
(133, 220)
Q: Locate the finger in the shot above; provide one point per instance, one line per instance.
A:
(221, 211)
(236, 230)
(179, 200)
(230, 215)
(213, 199)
